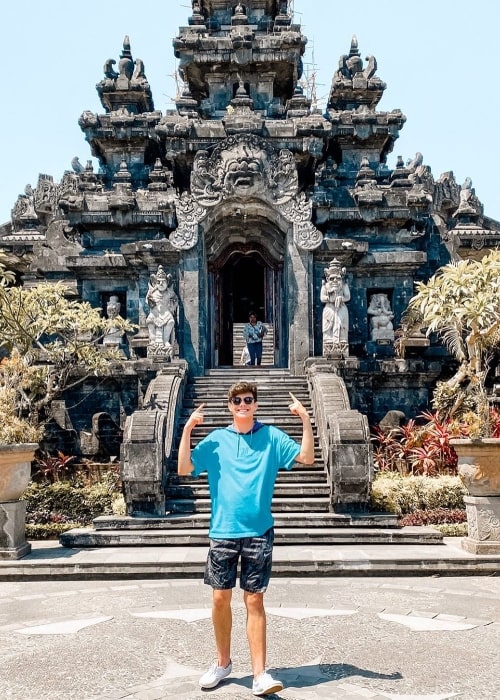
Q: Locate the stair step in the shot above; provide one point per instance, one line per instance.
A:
(282, 520)
(87, 537)
(203, 505)
(313, 476)
(283, 490)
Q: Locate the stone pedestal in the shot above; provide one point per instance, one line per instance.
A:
(13, 543)
(479, 469)
(483, 525)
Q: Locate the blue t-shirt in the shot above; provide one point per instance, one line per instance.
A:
(242, 469)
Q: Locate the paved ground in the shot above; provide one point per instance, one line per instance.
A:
(49, 560)
(425, 638)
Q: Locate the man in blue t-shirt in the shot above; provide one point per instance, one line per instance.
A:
(242, 462)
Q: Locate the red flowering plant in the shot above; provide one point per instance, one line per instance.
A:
(416, 448)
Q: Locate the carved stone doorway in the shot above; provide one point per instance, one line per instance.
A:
(245, 280)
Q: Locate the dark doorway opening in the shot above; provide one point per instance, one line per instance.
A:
(242, 289)
(248, 282)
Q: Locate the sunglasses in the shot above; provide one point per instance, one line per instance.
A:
(248, 400)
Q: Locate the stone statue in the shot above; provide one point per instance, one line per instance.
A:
(163, 305)
(334, 295)
(381, 318)
(114, 337)
(392, 421)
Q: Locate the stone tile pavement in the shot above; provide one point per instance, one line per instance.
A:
(405, 638)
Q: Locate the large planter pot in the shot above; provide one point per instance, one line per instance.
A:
(479, 469)
(479, 465)
(15, 473)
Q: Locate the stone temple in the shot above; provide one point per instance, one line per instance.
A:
(246, 196)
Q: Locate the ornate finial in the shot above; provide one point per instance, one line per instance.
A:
(354, 50)
(122, 175)
(126, 47)
(197, 18)
(239, 18)
(126, 64)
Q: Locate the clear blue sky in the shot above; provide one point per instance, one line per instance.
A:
(438, 58)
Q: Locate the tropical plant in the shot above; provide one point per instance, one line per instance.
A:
(53, 468)
(461, 304)
(416, 448)
(50, 344)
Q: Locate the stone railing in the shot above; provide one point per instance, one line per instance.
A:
(148, 442)
(344, 439)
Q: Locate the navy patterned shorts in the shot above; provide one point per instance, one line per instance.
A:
(256, 559)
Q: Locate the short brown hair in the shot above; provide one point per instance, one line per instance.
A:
(242, 388)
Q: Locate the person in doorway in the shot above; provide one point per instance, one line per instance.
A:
(242, 462)
(253, 333)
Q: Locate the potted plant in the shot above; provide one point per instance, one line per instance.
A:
(49, 344)
(461, 305)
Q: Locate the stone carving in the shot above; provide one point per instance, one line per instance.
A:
(481, 479)
(334, 295)
(138, 76)
(392, 421)
(351, 65)
(469, 203)
(299, 212)
(130, 78)
(163, 305)
(189, 215)
(114, 337)
(381, 327)
(24, 208)
(483, 525)
(244, 167)
(70, 197)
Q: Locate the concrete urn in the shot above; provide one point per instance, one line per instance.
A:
(15, 470)
(479, 470)
(15, 473)
(479, 465)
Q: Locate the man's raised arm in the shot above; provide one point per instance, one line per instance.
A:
(184, 463)
(306, 454)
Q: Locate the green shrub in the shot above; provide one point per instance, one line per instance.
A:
(62, 502)
(445, 492)
(48, 531)
(453, 529)
(394, 493)
(118, 505)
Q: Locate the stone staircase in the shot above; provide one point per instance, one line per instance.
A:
(301, 503)
(299, 492)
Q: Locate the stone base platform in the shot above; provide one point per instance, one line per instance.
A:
(88, 537)
(13, 543)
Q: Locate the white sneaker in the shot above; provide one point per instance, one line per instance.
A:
(265, 684)
(215, 675)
